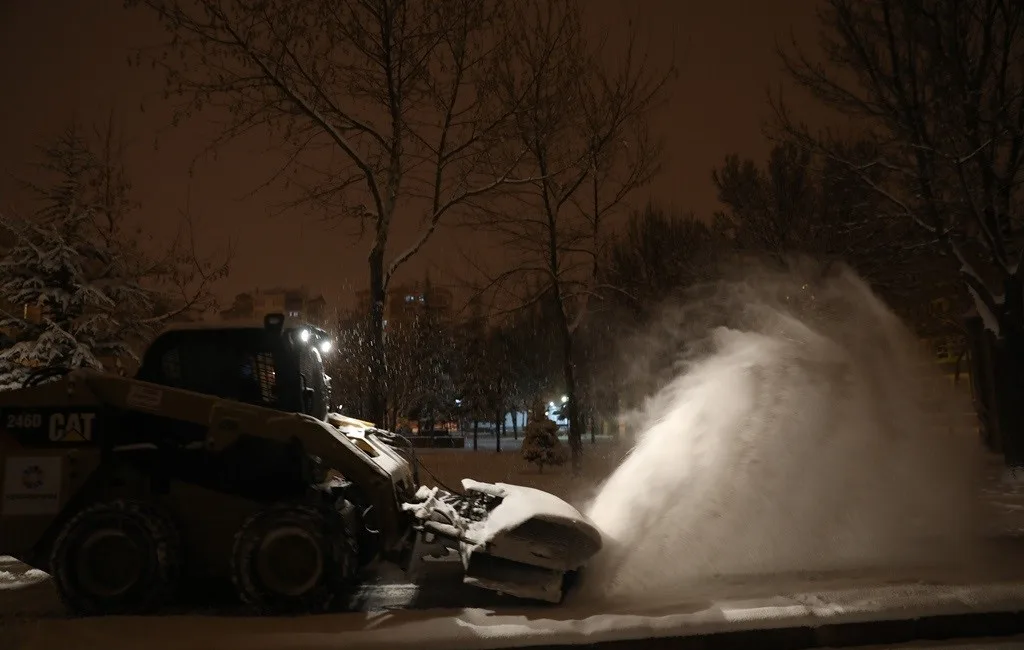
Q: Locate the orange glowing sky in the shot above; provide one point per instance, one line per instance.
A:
(65, 59)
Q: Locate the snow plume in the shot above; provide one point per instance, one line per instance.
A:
(805, 431)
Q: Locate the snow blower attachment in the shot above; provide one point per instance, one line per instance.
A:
(511, 539)
(221, 462)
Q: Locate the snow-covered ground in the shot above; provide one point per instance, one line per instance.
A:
(1004, 493)
(1010, 643)
(443, 615)
(806, 601)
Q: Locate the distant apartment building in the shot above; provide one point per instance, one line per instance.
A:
(406, 301)
(295, 303)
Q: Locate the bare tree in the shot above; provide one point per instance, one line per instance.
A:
(801, 204)
(657, 255)
(474, 372)
(583, 126)
(418, 375)
(387, 109)
(940, 87)
(649, 265)
(349, 364)
(534, 364)
(775, 209)
(419, 378)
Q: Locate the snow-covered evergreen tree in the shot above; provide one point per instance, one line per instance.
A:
(73, 283)
(541, 445)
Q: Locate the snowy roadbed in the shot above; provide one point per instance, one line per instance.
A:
(480, 629)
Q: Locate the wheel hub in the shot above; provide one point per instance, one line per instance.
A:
(290, 561)
(109, 562)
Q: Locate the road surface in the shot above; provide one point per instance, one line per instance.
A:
(869, 609)
(393, 609)
(25, 592)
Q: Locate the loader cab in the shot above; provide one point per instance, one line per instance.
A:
(277, 364)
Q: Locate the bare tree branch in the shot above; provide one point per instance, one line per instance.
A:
(582, 129)
(387, 109)
(941, 87)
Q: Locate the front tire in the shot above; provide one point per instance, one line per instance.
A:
(117, 557)
(294, 559)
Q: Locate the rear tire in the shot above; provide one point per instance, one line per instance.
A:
(117, 557)
(295, 559)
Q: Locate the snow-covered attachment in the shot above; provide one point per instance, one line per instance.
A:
(511, 539)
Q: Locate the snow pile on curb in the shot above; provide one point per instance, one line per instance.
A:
(14, 580)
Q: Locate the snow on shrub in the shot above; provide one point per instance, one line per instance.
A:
(541, 445)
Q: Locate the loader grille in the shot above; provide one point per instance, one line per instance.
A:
(266, 376)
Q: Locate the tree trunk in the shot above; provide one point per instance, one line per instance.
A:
(593, 428)
(497, 431)
(569, 377)
(575, 434)
(1008, 403)
(581, 428)
(997, 370)
(1012, 411)
(982, 369)
(612, 414)
(515, 423)
(476, 432)
(376, 402)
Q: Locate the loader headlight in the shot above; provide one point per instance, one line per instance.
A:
(325, 346)
(304, 336)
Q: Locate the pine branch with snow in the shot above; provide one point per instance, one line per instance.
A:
(77, 291)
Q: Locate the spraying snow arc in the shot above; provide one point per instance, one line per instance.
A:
(809, 434)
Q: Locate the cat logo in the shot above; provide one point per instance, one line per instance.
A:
(71, 427)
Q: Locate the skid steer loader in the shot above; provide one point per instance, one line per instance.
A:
(221, 460)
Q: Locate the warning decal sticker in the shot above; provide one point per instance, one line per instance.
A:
(31, 485)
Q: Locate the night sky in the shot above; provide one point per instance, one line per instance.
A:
(65, 59)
